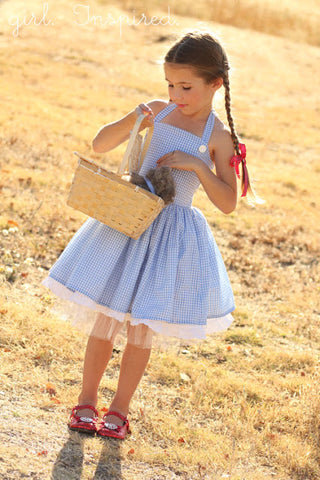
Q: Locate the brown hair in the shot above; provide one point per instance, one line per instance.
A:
(206, 55)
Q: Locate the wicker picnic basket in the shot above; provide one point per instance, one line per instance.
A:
(105, 196)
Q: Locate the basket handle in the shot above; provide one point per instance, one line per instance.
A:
(146, 143)
(134, 133)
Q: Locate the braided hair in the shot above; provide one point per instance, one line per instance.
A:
(206, 55)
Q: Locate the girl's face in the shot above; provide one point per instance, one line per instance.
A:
(188, 91)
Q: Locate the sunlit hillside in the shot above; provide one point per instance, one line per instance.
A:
(299, 21)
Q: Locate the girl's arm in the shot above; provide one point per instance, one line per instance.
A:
(221, 187)
(111, 135)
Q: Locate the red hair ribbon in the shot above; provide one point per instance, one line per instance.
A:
(235, 162)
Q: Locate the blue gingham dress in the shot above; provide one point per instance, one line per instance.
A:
(172, 278)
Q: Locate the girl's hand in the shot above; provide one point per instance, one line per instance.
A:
(180, 160)
(145, 110)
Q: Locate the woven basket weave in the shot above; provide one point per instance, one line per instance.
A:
(107, 197)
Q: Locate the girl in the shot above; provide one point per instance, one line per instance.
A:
(172, 280)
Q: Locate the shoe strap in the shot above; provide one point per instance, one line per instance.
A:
(82, 407)
(117, 414)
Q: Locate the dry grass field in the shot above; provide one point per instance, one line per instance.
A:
(243, 405)
(285, 18)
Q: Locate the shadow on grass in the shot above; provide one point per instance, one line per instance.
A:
(109, 466)
(70, 460)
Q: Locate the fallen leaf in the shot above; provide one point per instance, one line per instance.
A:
(181, 440)
(12, 222)
(104, 409)
(131, 451)
(229, 348)
(303, 374)
(24, 275)
(44, 452)
(51, 389)
(55, 400)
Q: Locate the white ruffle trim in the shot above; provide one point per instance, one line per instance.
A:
(85, 322)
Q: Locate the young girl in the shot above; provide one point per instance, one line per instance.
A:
(172, 280)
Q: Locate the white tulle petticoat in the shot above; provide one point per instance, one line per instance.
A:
(97, 320)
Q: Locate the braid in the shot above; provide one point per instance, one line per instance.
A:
(234, 135)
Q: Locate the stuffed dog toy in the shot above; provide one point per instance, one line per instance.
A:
(159, 181)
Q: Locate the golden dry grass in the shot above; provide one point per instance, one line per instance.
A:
(285, 18)
(242, 405)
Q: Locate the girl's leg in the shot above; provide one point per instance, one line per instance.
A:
(97, 356)
(133, 364)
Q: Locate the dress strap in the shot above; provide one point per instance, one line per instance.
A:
(208, 128)
(163, 113)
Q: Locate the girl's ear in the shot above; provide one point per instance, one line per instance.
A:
(217, 83)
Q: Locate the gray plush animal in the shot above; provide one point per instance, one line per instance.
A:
(159, 181)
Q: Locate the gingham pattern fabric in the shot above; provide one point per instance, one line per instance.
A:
(172, 278)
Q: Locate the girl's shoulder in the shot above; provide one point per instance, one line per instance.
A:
(220, 142)
(157, 105)
(220, 133)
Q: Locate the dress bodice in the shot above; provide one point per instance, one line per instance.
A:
(167, 138)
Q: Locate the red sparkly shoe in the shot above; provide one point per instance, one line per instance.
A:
(83, 424)
(106, 429)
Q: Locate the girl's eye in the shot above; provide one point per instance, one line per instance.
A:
(184, 88)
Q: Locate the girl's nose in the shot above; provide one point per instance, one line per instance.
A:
(177, 97)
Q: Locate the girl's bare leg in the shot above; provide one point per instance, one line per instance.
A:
(134, 361)
(98, 354)
(133, 365)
